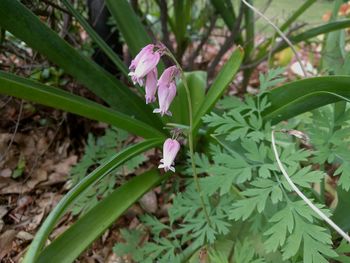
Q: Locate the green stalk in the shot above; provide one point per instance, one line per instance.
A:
(190, 138)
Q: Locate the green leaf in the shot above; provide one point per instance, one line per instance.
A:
(71, 196)
(129, 25)
(219, 85)
(341, 213)
(256, 199)
(98, 40)
(197, 81)
(30, 90)
(69, 245)
(132, 239)
(313, 32)
(297, 13)
(21, 22)
(300, 96)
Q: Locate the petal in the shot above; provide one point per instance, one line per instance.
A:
(151, 85)
(147, 63)
(168, 76)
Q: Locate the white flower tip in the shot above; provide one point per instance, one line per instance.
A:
(172, 168)
(156, 111)
(169, 113)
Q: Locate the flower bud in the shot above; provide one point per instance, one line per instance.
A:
(170, 149)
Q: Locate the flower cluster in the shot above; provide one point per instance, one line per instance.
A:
(143, 71)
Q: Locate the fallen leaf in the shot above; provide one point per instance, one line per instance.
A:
(6, 242)
(23, 235)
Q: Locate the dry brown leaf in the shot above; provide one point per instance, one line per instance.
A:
(6, 242)
(23, 235)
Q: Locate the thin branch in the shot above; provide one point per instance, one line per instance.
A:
(203, 41)
(228, 42)
(56, 6)
(164, 23)
(273, 49)
(302, 196)
(14, 133)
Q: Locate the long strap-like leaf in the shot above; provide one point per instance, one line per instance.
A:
(75, 240)
(301, 96)
(68, 199)
(21, 22)
(30, 90)
(98, 40)
(129, 25)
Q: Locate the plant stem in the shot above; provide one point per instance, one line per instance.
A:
(190, 139)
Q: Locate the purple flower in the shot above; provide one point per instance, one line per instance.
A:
(170, 150)
(166, 90)
(151, 86)
(145, 61)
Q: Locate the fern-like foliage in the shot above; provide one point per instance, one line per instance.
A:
(97, 150)
(248, 200)
(330, 135)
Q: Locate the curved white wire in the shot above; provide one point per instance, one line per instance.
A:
(306, 200)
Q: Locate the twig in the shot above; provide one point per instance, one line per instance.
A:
(273, 49)
(203, 41)
(164, 23)
(228, 42)
(282, 35)
(302, 196)
(14, 133)
(56, 6)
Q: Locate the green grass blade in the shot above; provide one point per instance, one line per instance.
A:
(297, 13)
(79, 236)
(30, 90)
(304, 95)
(227, 14)
(219, 85)
(313, 32)
(68, 199)
(21, 22)
(129, 25)
(97, 39)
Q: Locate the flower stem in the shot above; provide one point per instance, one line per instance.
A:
(190, 139)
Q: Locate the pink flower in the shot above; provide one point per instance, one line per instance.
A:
(151, 86)
(166, 90)
(136, 60)
(145, 61)
(170, 150)
(165, 97)
(168, 76)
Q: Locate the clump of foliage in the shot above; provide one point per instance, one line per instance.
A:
(251, 206)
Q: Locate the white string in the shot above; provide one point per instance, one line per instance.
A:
(306, 200)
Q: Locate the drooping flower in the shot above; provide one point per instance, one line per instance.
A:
(145, 61)
(166, 90)
(151, 86)
(138, 57)
(170, 149)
